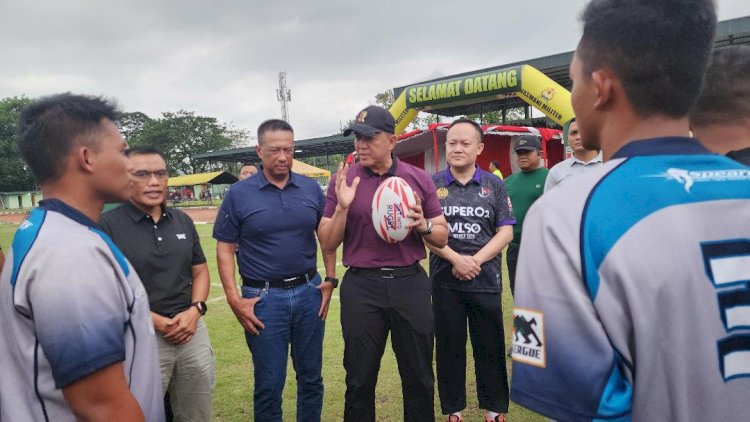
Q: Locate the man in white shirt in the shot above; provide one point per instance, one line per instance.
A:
(581, 161)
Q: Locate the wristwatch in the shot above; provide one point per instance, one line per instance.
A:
(333, 280)
(428, 230)
(201, 306)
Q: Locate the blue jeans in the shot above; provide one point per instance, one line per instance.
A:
(291, 318)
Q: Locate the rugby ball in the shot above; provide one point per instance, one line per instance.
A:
(390, 207)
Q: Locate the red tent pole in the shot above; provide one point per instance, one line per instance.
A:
(435, 148)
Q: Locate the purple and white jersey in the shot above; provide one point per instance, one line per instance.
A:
(474, 212)
(633, 290)
(70, 305)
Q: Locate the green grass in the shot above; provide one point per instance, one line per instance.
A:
(233, 393)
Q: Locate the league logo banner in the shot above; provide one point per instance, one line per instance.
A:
(528, 337)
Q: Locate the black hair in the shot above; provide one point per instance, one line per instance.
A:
(659, 49)
(495, 163)
(144, 150)
(472, 123)
(248, 164)
(50, 127)
(724, 99)
(270, 126)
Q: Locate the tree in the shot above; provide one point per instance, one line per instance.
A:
(131, 124)
(181, 135)
(385, 99)
(487, 118)
(14, 175)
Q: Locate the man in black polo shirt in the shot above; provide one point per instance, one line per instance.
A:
(164, 248)
(466, 276)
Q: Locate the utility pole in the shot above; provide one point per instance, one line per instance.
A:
(284, 95)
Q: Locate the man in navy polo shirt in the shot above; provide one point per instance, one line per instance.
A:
(273, 217)
(466, 277)
(385, 288)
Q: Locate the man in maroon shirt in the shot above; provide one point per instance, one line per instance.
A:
(385, 289)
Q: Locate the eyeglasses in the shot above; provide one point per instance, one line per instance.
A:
(146, 175)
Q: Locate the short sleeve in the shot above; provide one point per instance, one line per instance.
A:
(503, 210)
(227, 224)
(79, 312)
(431, 204)
(330, 200)
(321, 204)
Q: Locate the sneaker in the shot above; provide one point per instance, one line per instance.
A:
(455, 418)
(498, 418)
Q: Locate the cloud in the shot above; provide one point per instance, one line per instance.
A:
(222, 58)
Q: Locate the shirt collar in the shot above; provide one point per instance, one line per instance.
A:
(477, 177)
(673, 145)
(597, 159)
(137, 214)
(54, 204)
(263, 182)
(391, 171)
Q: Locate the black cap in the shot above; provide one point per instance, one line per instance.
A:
(371, 121)
(527, 142)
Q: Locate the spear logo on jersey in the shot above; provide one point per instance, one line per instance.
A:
(682, 176)
(688, 178)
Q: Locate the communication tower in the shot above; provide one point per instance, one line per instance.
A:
(284, 96)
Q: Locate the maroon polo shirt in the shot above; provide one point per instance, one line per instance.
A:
(363, 247)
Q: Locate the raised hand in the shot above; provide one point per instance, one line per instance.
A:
(344, 192)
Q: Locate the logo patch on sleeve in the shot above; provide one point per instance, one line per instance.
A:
(528, 337)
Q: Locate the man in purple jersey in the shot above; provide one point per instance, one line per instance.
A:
(385, 289)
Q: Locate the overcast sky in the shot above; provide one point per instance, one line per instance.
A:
(222, 58)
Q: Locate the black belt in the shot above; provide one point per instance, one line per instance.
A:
(282, 283)
(387, 272)
(173, 314)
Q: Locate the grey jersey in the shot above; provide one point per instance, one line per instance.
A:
(633, 291)
(70, 305)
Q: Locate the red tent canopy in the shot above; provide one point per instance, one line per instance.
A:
(425, 148)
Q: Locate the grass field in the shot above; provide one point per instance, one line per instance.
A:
(233, 393)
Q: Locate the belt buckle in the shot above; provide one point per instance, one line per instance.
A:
(287, 282)
(386, 272)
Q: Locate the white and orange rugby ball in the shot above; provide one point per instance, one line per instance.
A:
(390, 207)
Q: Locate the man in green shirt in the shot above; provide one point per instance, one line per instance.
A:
(524, 188)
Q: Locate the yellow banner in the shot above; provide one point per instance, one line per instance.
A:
(531, 85)
(545, 95)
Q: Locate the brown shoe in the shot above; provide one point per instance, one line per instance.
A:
(455, 418)
(498, 418)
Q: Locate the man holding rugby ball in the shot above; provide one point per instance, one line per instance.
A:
(385, 289)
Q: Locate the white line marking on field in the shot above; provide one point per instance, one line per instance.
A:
(216, 299)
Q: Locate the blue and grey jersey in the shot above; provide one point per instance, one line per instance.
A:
(474, 213)
(70, 305)
(636, 303)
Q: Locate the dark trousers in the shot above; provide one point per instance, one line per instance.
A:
(484, 314)
(511, 258)
(371, 306)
